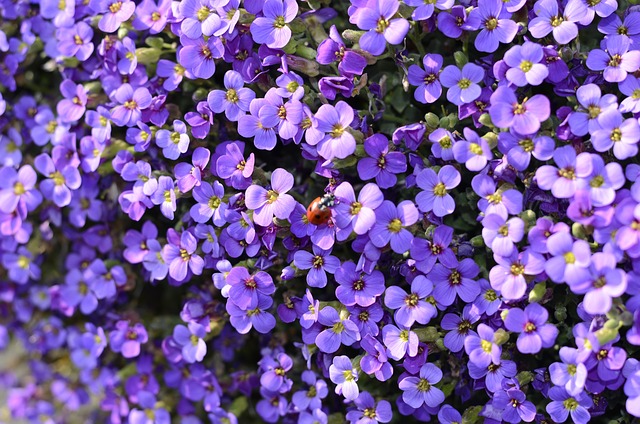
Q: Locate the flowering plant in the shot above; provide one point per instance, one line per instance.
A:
(474, 245)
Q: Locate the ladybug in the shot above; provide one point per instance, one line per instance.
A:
(319, 211)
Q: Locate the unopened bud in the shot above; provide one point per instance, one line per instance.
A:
(432, 120)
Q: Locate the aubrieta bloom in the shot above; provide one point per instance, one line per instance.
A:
(382, 164)
(235, 100)
(411, 308)
(273, 202)
(524, 117)
(614, 58)
(272, 29)
(562, 24)
(357, 215)
(525, 65)
(496, 27)
(535, 332)
(334, 122)
(345, 377)
(391, 221)
(435, 196)
(427, 80)
(376, 19)
(562, 181)
(418, 391)
(333, 48)
(462, 84)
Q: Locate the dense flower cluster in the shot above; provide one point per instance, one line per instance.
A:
(480, 260)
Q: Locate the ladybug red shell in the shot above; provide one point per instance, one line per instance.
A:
(319, 211)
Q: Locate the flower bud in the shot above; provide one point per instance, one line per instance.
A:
(560, 313)
(460, 58)
(432, 120)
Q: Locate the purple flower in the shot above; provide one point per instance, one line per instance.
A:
(76, 40)
(274, 378)
(74, 104)
(130, 104)
(427, 80)
(481, 347)
(357, 215)
(459, 327)
(235, 100)
(502, 235)
(525, 117)
(334, 122)
(333, 48)
(345, 377)
(562, 181)
(275, 201)
(564, 404)
(615, 131)
(424, 10)
(376, 20)
(340, 331)
(614, 59)
(358, 287)
(524, 64)
(258, 318)
(519, 148)
(569, 257)
(399, 342)
(198, 55)
(198, 19)
(570, 373)
(179, 253)
(458, 281)
(165, 196)
(151, 16)
(532, 325)
(173, 143)
(516, 408)
(17, 190)
(210, 204)
(418, 391)
(318, 264)
(602, 282)
(233, 167)
(585, 119)
(246, 290)
(382, 164)
(126, 339)
(453, 24)
(473, 151)
(497, 27)
(259, 126)
(115, 13)
(60, 182)
(435, 196)
(190, 175)
(549, 19)
(508, 276)
(368, 411)
(426, 252)
(390, 223)
(190, 340)
(411, 308)
(272, 29)
(463, 84)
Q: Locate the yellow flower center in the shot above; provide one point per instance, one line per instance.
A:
(491, 24)
(525, 66)
(395, 225)
(464, 83)
(115, 7)
(440, 190)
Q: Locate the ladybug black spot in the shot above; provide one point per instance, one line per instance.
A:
(317, 216)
